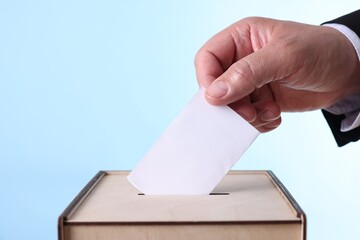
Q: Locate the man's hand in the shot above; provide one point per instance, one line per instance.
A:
(261, 67)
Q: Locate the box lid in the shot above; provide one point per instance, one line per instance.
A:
(242, 196)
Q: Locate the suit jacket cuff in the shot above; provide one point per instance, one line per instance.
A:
(348, 25)
(341, 138)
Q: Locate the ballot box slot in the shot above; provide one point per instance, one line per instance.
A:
(211, 194)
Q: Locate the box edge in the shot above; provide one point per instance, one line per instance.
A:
(76, 202)
(293, 203)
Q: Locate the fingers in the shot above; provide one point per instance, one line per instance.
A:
(208, 68)
(270, 126)
(259, 109)
(245, 109)
(267, 109)
(264, 115)
(217, 55)
(246, 75)
(233, 74)
(268, 116)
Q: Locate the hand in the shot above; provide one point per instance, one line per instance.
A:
(261, 67)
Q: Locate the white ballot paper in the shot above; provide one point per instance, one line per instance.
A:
(195, 152)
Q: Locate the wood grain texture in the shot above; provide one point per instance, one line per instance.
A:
(252, 197)
(256, 206)
(186, 232)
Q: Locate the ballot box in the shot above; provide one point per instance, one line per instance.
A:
(246, 205)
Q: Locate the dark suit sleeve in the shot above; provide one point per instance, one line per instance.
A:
(352, 21)
(341, 138)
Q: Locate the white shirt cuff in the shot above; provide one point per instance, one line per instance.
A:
(350, 34)
(350, 106)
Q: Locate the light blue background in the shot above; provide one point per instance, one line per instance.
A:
(90, 85)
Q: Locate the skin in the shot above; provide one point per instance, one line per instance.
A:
(261, 67)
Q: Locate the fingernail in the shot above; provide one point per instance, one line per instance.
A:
(268, 116)
(217, 90)
(247, 116)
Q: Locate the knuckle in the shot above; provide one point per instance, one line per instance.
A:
(198, 56)
(251, 20)
(242, 72)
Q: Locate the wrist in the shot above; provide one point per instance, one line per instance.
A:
(348, 42)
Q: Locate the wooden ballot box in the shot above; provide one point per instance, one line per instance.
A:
(246, 205)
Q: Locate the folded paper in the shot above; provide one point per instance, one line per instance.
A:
(196, 151)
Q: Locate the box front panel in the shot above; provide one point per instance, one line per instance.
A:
(281, 231)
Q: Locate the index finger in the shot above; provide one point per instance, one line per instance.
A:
(220, 52)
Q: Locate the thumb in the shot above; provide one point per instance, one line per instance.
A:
(244, 76)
